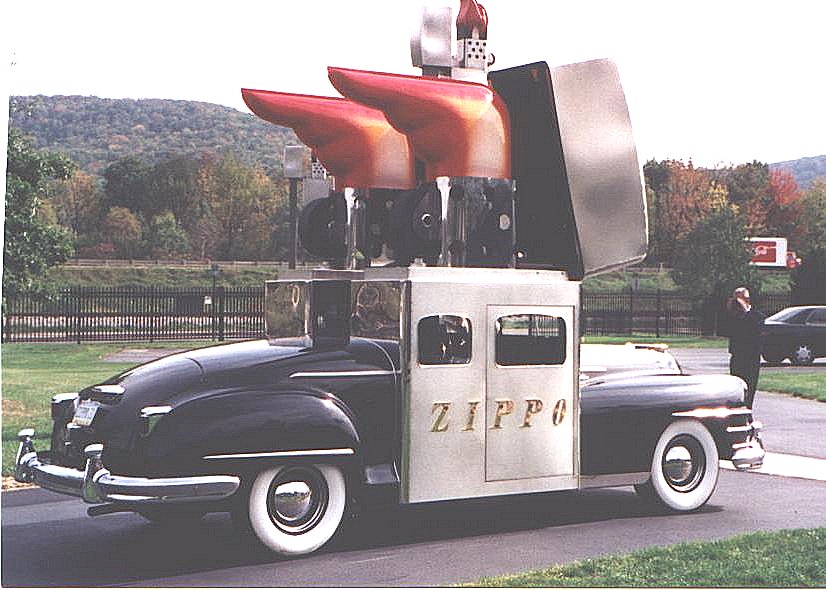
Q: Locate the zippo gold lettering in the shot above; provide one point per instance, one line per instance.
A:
(534, 406)
(441, 424)
(503, 408)
(471, 416)
(559, 412)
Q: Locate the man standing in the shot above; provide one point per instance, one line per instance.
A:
(744, 341)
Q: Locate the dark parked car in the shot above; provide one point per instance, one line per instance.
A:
(796, 333)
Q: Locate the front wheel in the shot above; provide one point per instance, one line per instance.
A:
(684, 467)
(294, 510)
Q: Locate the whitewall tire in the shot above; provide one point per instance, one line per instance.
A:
(684, 468)
(295, 509)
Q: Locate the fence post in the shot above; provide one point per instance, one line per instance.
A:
(221, 292)
(630, 311)
(77, 293)
(659, 310)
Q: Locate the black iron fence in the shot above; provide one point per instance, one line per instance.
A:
(92, 314)
(659, 313)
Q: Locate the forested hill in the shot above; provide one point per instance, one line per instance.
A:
(804, 170)
(96, 131)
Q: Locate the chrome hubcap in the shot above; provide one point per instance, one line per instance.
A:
(297, 499)
(683, 463)
(803, 354)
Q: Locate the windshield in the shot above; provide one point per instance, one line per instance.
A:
(791, 315)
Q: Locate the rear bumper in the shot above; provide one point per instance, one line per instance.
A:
(97, 485)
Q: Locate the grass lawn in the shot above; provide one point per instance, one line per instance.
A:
(802, 384)
(787, 558)
(672, 341)
(33, 373)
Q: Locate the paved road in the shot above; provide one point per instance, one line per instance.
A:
(47, 540)
(715, 360)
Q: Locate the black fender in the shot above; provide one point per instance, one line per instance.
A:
(244, 431)
(623, 417)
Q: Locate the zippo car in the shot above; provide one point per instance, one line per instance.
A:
(796, 333)
(289, 432)
(436, 356)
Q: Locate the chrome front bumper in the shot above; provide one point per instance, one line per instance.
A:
(96, 485)
(748, 455)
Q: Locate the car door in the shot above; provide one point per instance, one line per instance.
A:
(531, 418)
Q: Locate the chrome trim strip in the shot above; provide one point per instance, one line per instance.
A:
(746, 428)
(155, 411)
(64, 397)
(613, 480)
(721, 412)
(109, 389)
(277, 454)
(330, 374)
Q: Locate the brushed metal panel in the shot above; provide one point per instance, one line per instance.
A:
(528, 443)
(603, 171)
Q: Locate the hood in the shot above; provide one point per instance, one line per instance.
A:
(662, 391)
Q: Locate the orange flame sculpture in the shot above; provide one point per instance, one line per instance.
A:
(456, 128)
(355, 143)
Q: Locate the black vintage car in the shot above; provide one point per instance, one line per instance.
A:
(795, 333)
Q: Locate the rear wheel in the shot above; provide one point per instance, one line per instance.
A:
(803, 354)
(684, 467)
(293, 510)
(773, 355)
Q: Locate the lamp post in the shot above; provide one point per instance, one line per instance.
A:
(214, 271)
(294, 169)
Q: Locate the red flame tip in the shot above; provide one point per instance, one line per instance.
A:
(472, 16)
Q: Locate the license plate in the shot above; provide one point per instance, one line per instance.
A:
(85, 412)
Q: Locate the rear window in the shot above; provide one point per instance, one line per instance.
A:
(818, 316)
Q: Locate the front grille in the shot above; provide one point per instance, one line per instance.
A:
(108, 399)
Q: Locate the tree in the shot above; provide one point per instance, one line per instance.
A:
(174, 187)
(122, 228)
(166, 237)
(78, 202)
(31, 244)
(809, 279)
(748, 189)
(242, 205)
(713, 259)
(682, 196)
(813, 215)
(784, 212)
(126, 184)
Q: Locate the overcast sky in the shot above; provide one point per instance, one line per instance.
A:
(719, 82)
